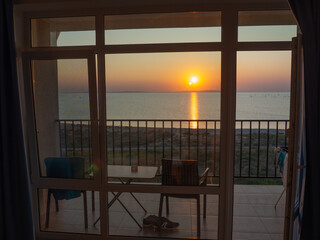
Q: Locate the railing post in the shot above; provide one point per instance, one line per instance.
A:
(65, 137)
(130, 158)
(180, 140)
(138, 140)
(60, 131)
(146, 142)
(171, 139)
(154, 144)
(163, 139)
(189, 133)
(121, 142)
(206, 147)
(71, 128)
(258, 160)
(240, 157)
(113, 143)
(215, 147)
(267, 158)
(249, 170)
(81, 140)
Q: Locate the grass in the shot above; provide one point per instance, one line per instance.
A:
(254, 155)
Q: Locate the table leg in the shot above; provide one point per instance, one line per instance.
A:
(128, 212)
(116, 198)
(135, 198)
(98, 219)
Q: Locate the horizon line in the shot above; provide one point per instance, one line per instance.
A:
(184, 91)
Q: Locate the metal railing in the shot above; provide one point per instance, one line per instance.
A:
(146, 142)
(255, 141)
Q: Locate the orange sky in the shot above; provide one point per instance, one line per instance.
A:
(163, 72)
(263, 71)
(169, 72)
(73, 75)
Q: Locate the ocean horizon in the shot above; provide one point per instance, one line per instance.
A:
(204, 105)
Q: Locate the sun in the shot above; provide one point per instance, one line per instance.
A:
(193, 80)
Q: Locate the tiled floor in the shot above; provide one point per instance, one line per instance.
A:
(254, 215)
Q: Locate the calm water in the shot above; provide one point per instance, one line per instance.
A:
(204, 105)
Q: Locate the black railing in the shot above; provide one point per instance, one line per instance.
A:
(255, 141)
(146, 142)
(75, 138)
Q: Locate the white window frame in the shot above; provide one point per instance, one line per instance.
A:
(228, 48)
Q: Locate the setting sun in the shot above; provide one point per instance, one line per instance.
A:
(193, 80)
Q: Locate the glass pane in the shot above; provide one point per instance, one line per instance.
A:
(255, 215)
(163, 28)
(61, 99)
(263, 85)
(182, 216)
(58, 32)
(263, 26)
(262, 118)
(69, 210)
(164, 105)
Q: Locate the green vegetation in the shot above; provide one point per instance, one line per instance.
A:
(254, 151)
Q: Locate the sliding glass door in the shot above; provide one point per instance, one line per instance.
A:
(61, 88)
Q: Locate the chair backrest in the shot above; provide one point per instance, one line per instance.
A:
(65, 167)
(177, 172)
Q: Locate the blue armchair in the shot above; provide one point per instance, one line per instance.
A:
(65, 167)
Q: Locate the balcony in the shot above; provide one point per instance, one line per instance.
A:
(255, 216)
(145, 142)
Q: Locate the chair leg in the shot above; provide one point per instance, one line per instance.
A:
(275, 206)
(85, 209)
(204, 205)
(48, 208)
(160, 205)
(198, 217)
(92, 199)
(167, 205)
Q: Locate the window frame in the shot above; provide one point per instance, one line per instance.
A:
(228, 47)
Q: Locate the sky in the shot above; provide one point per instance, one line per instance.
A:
(171, 72)
(163, 72)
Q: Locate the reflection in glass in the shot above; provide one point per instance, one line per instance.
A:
(58, 32)
(61, 100)
(68, 210)
(263, 26)
(181, 211)
(163, 28)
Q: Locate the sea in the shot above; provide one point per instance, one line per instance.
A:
(178, 105)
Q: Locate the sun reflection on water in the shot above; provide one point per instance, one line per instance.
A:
(194, 110)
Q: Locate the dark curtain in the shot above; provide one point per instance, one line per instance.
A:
(307, 13)
(15, 209)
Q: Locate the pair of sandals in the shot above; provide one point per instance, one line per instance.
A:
(159, 223)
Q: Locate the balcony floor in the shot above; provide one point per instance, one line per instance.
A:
(254, 215)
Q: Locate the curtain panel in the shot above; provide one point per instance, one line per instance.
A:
(300, 172)
(307, 13)
(15, 208)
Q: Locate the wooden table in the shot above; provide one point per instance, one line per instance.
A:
(124, 172)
